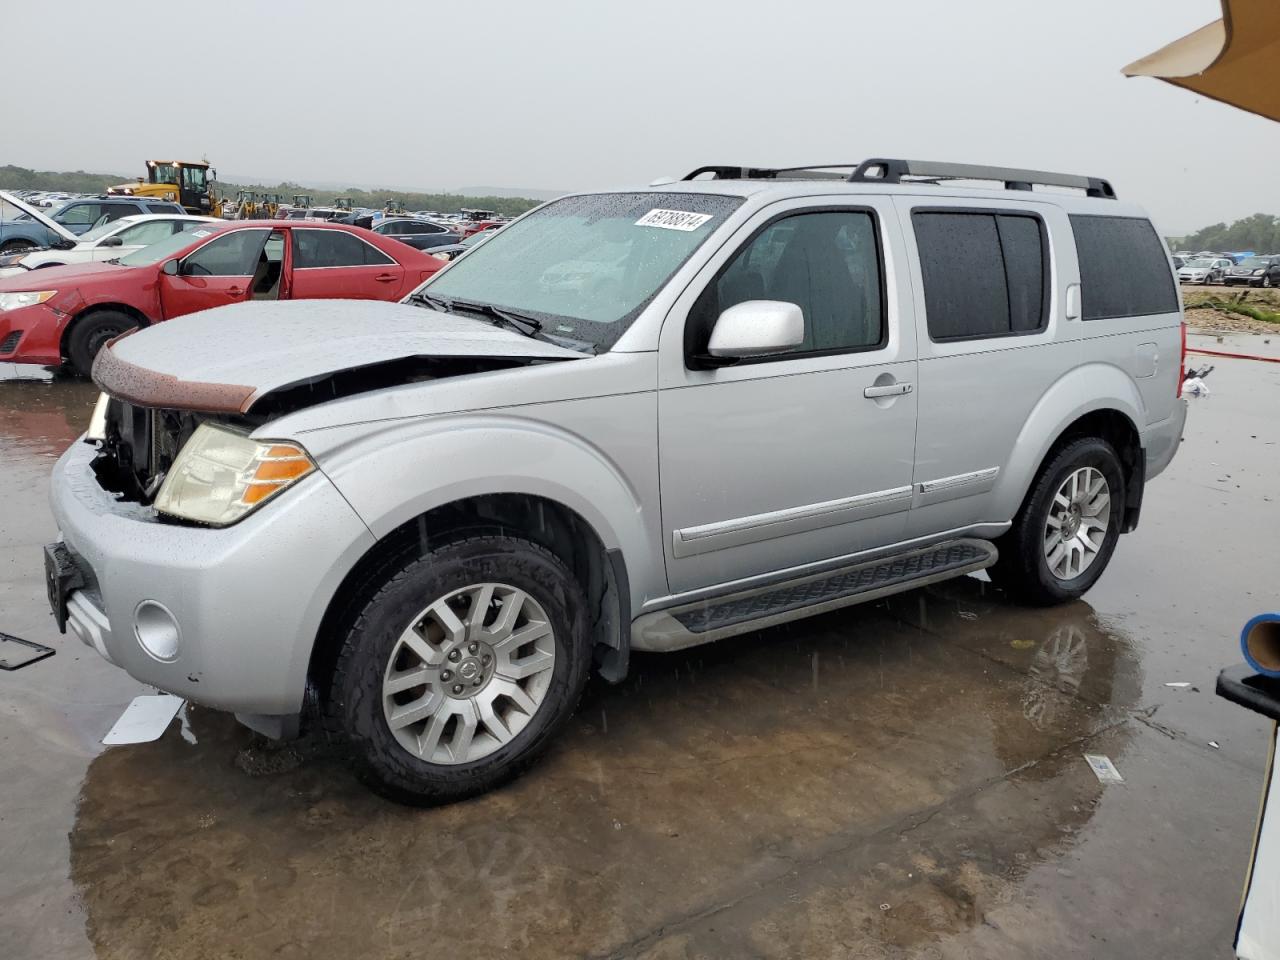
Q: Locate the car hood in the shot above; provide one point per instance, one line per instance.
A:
(39, 217)
(230, 358)
(71, 276)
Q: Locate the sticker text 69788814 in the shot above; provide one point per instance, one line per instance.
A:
(673, 219)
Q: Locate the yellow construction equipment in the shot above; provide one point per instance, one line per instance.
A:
(187, 182)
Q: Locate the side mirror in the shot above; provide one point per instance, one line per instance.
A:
(170, 268)
(112, 241)
(755, 328)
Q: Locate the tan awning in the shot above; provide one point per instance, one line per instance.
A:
(1235, 59)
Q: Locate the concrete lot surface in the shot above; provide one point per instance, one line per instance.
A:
(899, 780)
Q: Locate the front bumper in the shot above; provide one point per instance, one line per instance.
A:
(31, 335)
(247, 599)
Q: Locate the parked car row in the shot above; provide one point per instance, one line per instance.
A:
(24, 227)
(1253, 271)
(55, 314)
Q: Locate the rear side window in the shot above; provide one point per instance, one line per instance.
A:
(333, 248)
(1123, 270)
(985, 274)
(165, 208)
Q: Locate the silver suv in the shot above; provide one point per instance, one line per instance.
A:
(640, 420)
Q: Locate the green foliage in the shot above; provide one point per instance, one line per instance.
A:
(20, 178)
(1259, 233)
(1237, 306)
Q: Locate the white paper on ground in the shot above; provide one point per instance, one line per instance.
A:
(1103, 768)
(145, 719)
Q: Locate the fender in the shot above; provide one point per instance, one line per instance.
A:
(1082, 390)
(394, 472)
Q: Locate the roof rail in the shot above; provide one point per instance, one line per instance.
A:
(892, 171)
(884, 170)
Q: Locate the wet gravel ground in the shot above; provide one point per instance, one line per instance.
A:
(903, 779)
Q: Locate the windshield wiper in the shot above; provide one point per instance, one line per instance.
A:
(440, 303)
(519, 322)
(512, 319)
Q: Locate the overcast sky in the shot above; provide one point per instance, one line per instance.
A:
(575, 94)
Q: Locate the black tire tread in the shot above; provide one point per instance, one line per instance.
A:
(1018, 569)
(331, 713)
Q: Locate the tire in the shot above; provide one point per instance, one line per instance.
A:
(1266, 280)
(428, 758)
(16, 246)
(90, 332)
(1024, 566)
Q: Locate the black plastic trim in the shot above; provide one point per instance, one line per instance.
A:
(1245, 688)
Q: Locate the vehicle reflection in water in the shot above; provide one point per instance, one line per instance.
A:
(41, 413)
(922, 754)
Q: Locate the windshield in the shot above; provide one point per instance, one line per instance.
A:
(1255, 262)
(166, 248)
(586, 266)
(1200, 262)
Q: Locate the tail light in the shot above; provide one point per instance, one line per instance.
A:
(1182, 363)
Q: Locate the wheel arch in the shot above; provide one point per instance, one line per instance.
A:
(142, 318)
(563, 531)
(1095, 400)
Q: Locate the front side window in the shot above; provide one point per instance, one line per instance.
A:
(826, 262)
(985, 274)
(586, 266)
(233, 254)
(1123, 270)
(333, 248)
(81, 214)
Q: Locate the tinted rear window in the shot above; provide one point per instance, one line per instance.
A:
(984, 274)
(1123, 269)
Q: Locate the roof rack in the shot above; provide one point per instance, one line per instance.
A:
(884, 170)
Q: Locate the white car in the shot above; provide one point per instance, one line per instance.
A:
(106, 241)
(1204, 270)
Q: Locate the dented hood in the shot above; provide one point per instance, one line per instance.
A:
(225, 360)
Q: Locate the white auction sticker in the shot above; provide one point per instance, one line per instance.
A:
(673, 219)
(200, 233)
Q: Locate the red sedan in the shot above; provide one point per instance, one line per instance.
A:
(58, 314)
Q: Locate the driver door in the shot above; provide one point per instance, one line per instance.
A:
(214, 275)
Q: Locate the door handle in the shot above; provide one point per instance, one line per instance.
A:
(235, 291)
(888, 390)
(385, 277)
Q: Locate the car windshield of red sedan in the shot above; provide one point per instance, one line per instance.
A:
(165, 248)
(585, 266)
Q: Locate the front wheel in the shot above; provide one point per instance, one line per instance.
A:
(457, 671)
(16, 246)
(1266, 281)
(1066, 531)
(90, 334)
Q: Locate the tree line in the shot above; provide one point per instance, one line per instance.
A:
(1259, 233)
(78, 181)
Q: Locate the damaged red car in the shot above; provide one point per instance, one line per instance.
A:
(63, 315)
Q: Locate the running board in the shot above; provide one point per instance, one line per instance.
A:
(734, 613)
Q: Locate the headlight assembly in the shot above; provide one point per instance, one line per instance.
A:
(12, 301)
(220, 476)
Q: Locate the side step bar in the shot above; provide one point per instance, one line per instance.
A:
(735, 613)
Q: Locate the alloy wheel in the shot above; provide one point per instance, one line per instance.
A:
(469, 673)
(1076, 526)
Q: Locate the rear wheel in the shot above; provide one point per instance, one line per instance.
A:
(1066, 532)
(458, 669)
(90, 333)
